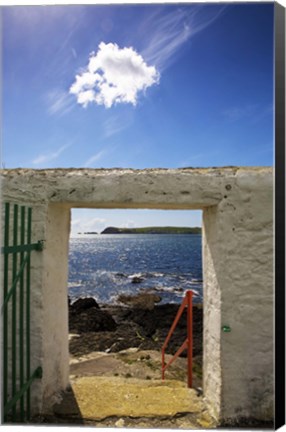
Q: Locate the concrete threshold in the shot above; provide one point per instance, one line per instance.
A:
(97, 398)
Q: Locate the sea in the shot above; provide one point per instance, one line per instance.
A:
(103, 266)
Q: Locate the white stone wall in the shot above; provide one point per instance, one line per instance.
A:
(212, 362)
(55, 301)
(237, 268)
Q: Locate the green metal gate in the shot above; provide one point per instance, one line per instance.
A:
(17, 375)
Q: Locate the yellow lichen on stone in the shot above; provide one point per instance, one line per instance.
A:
(206, 421)
(101, 397)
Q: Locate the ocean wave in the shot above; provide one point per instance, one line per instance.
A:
(170, 289)
(74, 284)
(163, 265)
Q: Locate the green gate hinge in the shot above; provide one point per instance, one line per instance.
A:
(38, 373)
(226, 329)
(40, 245)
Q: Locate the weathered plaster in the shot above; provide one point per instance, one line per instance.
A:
(237, 268)
(55, 312)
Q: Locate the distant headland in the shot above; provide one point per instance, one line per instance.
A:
(153, 230)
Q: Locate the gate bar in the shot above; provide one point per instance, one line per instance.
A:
(14, 286)
(28, 280)
(17, 377)
(188, 344)
(14, 305)
(23, 248)
(5, 311)
(37, 374)
(190, 336)
(21, 317)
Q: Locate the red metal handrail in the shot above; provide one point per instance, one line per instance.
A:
(188, 344)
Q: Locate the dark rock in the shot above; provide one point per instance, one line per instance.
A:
(179, 290)
(125, 336)
(156, 324)
(137, 279)
(115, 328)
(161, 316)
(84, 303)
(121, 275)
(144, 301)
(91, 320)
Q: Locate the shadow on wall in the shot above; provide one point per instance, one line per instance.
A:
(65, 413)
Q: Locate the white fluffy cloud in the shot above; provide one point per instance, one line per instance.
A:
(113, 75)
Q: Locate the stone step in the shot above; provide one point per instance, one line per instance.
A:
(97, 398)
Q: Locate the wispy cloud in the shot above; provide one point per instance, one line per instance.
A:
(115, 124)
(64, 53)
(48, 157)
(74, 53)
(94, 158)
(168, 32)
(59, 102)
(128, 224)
(54, 54)
(88, 225)
(113, 75)
(116, 75)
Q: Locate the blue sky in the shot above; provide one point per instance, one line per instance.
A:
(137, 86)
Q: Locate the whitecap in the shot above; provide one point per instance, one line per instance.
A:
(139, 275)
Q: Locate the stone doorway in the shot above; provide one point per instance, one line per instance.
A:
(237, 260)
(126, 338)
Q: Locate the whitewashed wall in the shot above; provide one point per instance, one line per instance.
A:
(237, 269)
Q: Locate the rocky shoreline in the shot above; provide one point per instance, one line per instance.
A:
(141, 324)
(123, 342)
